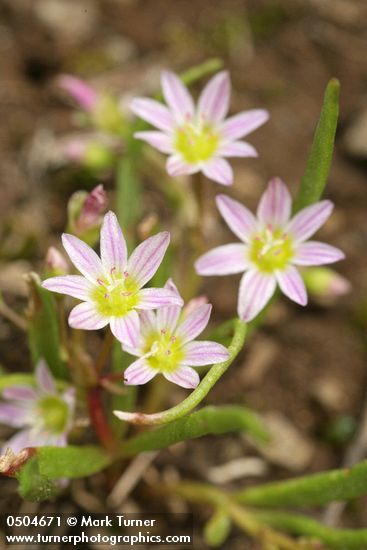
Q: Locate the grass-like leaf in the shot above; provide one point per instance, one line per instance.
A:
(319, 161)
(209, 420)
(43, 329)
(296, 524)
(71, 461)
(312, 490)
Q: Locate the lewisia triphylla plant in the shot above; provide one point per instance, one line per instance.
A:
(167, 344)
(272, 245)
(43, 415)
(198, 138)
(111, 286)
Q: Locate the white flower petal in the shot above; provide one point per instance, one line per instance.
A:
(159, 140)
(292, 285)
(203, 352)
(139, 373)
(148, 325)
(83, 257)
(14, 414)
(309, 220)
(113, 245)
(315, 253)
(153, 112)
(255, 291)
(183, 376)
(71, 285)
(154, 298)
(213, 103)
(126, 329)
(223, 260)
(238, 218)
(242, 124)
(193, 304)
(85, 316)
(219, 170)
(275, 204)
(20, 393)
(167, 318)
(44, 377)
(148, 322)
(194, 323)
(237, 149)
(176, 166)
(177, 96)
(147, 257)
(20, 441)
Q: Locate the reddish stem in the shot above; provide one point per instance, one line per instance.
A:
(98, 419)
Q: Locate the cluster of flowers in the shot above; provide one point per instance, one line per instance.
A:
(151, 323)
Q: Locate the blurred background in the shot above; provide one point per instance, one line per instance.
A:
(305, 369)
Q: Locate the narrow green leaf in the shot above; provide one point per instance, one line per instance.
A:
(310, 490)
(340, 539)
(129, 192)
(71, 461)
(319, 161)
(43, 328)
(198, 72)
(209, 420)
(33, 485)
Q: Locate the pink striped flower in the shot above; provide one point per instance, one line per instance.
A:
(111, 286)
(167, 346)
(43, 415)
(198, 138)
(273, 244)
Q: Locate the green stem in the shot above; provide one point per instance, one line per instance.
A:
(244, 519)
(201, 71)
(199, 393)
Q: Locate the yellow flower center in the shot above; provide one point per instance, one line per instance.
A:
(196, 143)
(117, 296)
(165, 351)
(271, 250)
(54, 413)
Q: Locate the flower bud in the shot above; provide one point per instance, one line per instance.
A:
(56, 263)
(80, 91)
(92, 209)
(85, 212)
(325, 284)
